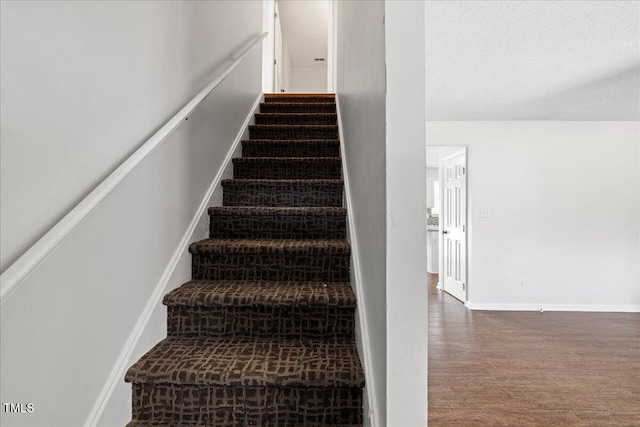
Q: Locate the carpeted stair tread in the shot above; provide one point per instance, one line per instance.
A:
(291, 141)
(287, 168)
(278, 182)
(280, 211)
(262, 309)
(293, 128)
(259, 222)
(241, 361)
(296, 115)
(298, 107)
(248, 293)
(293, 131)
(328, 182)
(296, 118)
(174, 424)
(242, 406)
(282, 192)
(287, 160)
(291, 148)
(179, 424)
(271, 246)
(294, 98)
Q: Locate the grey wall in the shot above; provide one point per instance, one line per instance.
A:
(361, 90)
(85, 83)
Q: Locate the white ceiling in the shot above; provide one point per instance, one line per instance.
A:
(304, 28)
(533, 60)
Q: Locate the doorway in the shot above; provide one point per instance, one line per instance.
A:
(447, 230)
(299, 52)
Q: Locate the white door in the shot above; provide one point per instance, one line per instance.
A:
(454, 224)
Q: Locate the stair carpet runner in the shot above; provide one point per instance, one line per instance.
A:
(264, 333)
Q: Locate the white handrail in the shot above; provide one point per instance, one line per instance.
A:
(22, 268)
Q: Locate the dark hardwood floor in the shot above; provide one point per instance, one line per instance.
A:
(531, 369)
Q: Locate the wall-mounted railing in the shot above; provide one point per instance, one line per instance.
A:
(22, 268)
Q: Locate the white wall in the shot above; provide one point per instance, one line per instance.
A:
(279, 48)
(268, 46)
(304, 25)
(361, 93)
(83, 84)
(432, 176)
(286, 67)
(310, 80)
(406, 215)
(435, 154)
(565, 203)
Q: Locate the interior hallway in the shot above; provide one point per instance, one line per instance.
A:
(531, 369)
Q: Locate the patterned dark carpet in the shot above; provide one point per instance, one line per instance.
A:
(264, 333)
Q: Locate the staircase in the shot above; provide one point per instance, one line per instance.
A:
(263, 334)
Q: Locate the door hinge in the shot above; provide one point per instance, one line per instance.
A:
(274, 62)
(275, 15)
(464, 170)
(463, 228)
(463, 286)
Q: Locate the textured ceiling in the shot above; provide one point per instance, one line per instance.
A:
(304, 27)
(533, 60)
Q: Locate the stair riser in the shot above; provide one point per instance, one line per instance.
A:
(282, 196)
(304, 100)
(298, 107)
(277, 227)
(308, 267)
(293, 170)
(296, 119)
(291, 149)
(293, 132)
(246, 406)
(264, 321)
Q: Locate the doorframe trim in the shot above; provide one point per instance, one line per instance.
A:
(467, 235)
(268, 46)
(332, 46)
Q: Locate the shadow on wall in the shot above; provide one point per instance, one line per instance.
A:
(612, 96)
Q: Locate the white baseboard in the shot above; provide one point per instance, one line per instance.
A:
(373, 415)
(604, 308)
(122, 363)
